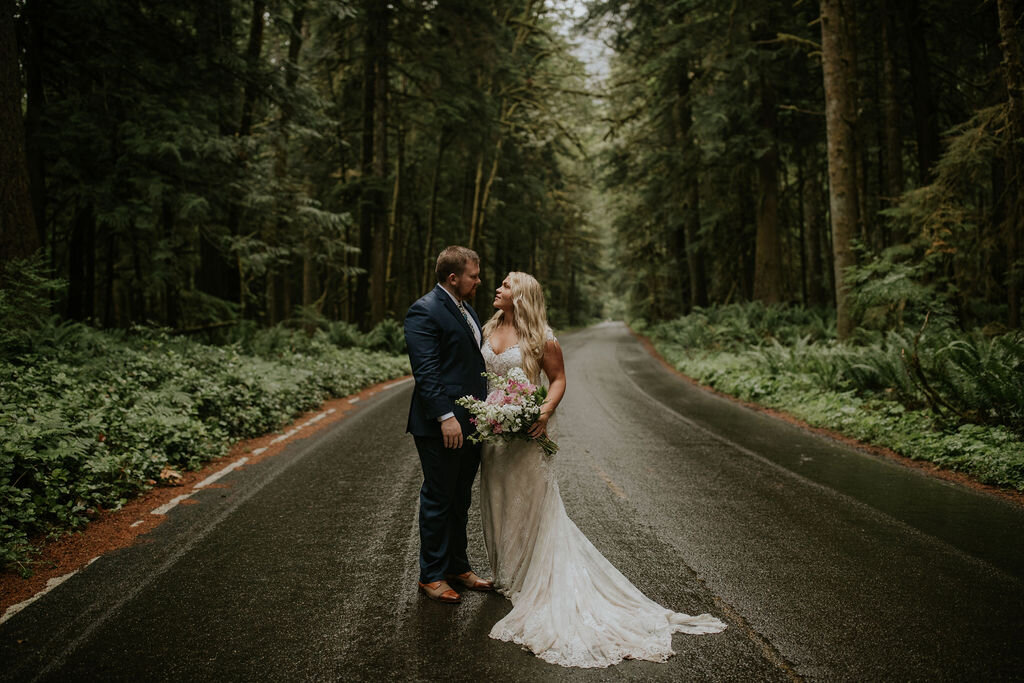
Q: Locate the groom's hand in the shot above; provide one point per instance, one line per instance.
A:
(451, 432)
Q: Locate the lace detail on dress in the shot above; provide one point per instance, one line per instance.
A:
(512, 357)
(570, 605)
(501, 363)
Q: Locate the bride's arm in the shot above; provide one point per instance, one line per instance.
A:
(554, 367)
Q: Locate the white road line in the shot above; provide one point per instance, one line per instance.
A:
(354, 400)
(292, 432)
(50, 585)
(220, 473)
(163, 509)
(398, 383)
(288, 434)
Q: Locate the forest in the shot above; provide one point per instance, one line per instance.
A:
(190, 164)
(827, 189)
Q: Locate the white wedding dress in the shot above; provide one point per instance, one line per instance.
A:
(570, 605)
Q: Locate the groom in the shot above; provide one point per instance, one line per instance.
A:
(443, 335)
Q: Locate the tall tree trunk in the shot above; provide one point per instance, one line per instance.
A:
(393, 217)
(169, 293)
(214, 26)
(252, 60)
(216, 273)
(109, 301)
(18, 235)
(893, 140)
(694, 256)
(840, 116)
(768, 254)
(273, 232)
(369, 294)
(574, 318)
(926, 122)
(1013, 74)
(428, 242)
(477, 191)
(378, 282)
(482, 191)
(81, 265)
(814, 224)
(34, 13)
(286, 295)
(361, 297)
(137, 299)
(308, 280)
(801, 208)
(748, 216)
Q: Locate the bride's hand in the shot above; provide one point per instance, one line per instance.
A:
(540, 427)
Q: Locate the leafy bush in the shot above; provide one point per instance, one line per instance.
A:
(344, 334)
(26, 295)
(90, 417)
(739, 326)
(387, 336)
(953, 398)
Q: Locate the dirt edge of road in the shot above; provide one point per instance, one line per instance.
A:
(932, 469)
(112, 529)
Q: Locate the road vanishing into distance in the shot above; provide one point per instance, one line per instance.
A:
(827, 563)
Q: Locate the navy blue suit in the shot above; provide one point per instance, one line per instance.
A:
(446, 363)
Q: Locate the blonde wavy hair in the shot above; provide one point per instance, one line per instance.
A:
(531, 321)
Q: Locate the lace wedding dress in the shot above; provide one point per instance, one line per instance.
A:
(570, 605)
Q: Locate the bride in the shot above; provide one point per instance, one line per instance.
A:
(570, 605)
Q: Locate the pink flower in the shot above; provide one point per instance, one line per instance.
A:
(521, 388)
(494, 398)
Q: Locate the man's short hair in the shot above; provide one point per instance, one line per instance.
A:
(453, 260)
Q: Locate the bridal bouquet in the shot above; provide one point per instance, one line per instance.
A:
(509, 410)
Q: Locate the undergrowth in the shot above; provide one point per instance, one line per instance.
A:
(89, 418)
(933, 393)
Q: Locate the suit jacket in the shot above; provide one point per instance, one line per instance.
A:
(446, 362)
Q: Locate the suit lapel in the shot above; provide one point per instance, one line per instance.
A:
(447, 302)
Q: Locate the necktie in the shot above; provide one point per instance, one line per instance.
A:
(469, 321)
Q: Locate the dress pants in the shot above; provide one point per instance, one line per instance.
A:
(444, 506)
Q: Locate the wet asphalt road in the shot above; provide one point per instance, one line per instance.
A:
(826, 563)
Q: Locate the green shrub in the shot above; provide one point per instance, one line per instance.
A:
(344, 335)
(27, 292)
(387, 336)
(953, 398)
(90, 417)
